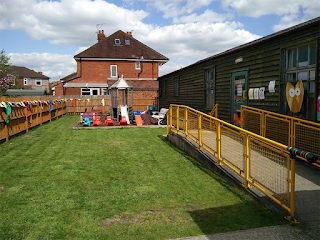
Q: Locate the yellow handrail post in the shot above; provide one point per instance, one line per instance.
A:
(186, 122)
(177, 119)
(199, 130)
(246, 159)
(242, 116)
(218, 125)
(293, 166)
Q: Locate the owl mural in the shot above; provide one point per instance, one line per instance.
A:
(295, 96)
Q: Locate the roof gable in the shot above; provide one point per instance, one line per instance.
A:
(107, 48)
(26, 72)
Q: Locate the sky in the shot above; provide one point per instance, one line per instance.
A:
(45, 35)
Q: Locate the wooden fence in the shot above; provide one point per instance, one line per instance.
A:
(20, 114)
(28, 112)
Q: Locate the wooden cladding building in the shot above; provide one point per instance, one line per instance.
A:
(243, 75)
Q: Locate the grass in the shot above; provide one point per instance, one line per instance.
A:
(59, 183)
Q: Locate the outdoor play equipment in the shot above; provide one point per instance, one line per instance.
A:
(86, 122)
(124, 113)
(109, 121)
(121, 86)
(96, 121)
(123, 121)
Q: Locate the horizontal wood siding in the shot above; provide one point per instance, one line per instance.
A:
(262, 61)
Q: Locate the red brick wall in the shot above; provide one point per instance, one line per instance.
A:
(99, 71)
(58, 90)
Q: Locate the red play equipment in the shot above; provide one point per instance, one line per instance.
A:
(96, 121)
(123, 121)
(109, 121)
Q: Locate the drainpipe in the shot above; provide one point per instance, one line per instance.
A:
(141, 64)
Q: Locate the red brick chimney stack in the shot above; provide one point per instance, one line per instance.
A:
(101, 35)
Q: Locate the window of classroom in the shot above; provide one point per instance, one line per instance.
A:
(209, 78)
(300, 65)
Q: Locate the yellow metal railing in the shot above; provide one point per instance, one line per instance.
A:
(260, 162)
(294, 132)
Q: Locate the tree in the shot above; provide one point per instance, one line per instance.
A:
(6, 76)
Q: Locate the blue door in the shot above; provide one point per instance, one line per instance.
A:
(239, 95)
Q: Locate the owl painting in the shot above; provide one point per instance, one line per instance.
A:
(295, 96)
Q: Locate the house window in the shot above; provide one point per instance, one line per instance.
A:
(127, 41)
(113, 71)
(138, 65)
(300, 65)
(104, 91)
(25, 81)
(38, 82)
(209, 77)
(90, 91)
(117, 42)
(176, 87)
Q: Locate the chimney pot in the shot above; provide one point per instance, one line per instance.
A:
(101, 35)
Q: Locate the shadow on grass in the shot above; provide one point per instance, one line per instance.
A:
(233, 217)
(202, 167)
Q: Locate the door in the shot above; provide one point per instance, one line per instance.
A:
(239, 95)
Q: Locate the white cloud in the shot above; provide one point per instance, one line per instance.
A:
(196, 40)
(67, 22)
(292, 12)
(208, 16)
(52, 65)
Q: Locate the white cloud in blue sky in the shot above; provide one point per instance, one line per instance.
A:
(45, 35)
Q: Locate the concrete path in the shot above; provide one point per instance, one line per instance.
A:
(307, 208)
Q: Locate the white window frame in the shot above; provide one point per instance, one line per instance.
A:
(127, 41)
(117, 41)
(111, 70)
(25, 81)
(104, 91)
(138, 65)
(90, 90)
(40, 81)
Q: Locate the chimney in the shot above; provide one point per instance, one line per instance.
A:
(129, 33)
(101, 35)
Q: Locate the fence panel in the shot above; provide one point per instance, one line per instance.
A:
(27, 112)
(290, 131)
(262, 163)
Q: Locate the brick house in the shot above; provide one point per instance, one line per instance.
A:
(29, 79)
(99, 67)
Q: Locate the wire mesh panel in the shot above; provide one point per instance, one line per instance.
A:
(232, 148)
(174, 117)
(277, 129)
(193, 125)
(269, 168)
(251, 121)
(307, 138)
(182, 119)
(209, 135)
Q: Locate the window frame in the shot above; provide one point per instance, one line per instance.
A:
(38, 80)
(291, 72)
(25, 81)
(176, 86)
(209, 88)
(117, 41)
(90, 90)
(138, 65)
(116, 67)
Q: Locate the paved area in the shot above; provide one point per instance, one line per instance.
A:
(307, 209)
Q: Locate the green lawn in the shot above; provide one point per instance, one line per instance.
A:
(60, 183)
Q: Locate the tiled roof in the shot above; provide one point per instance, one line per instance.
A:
(107, 48)
(70, 76)
(140, 84)
(26, 72)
